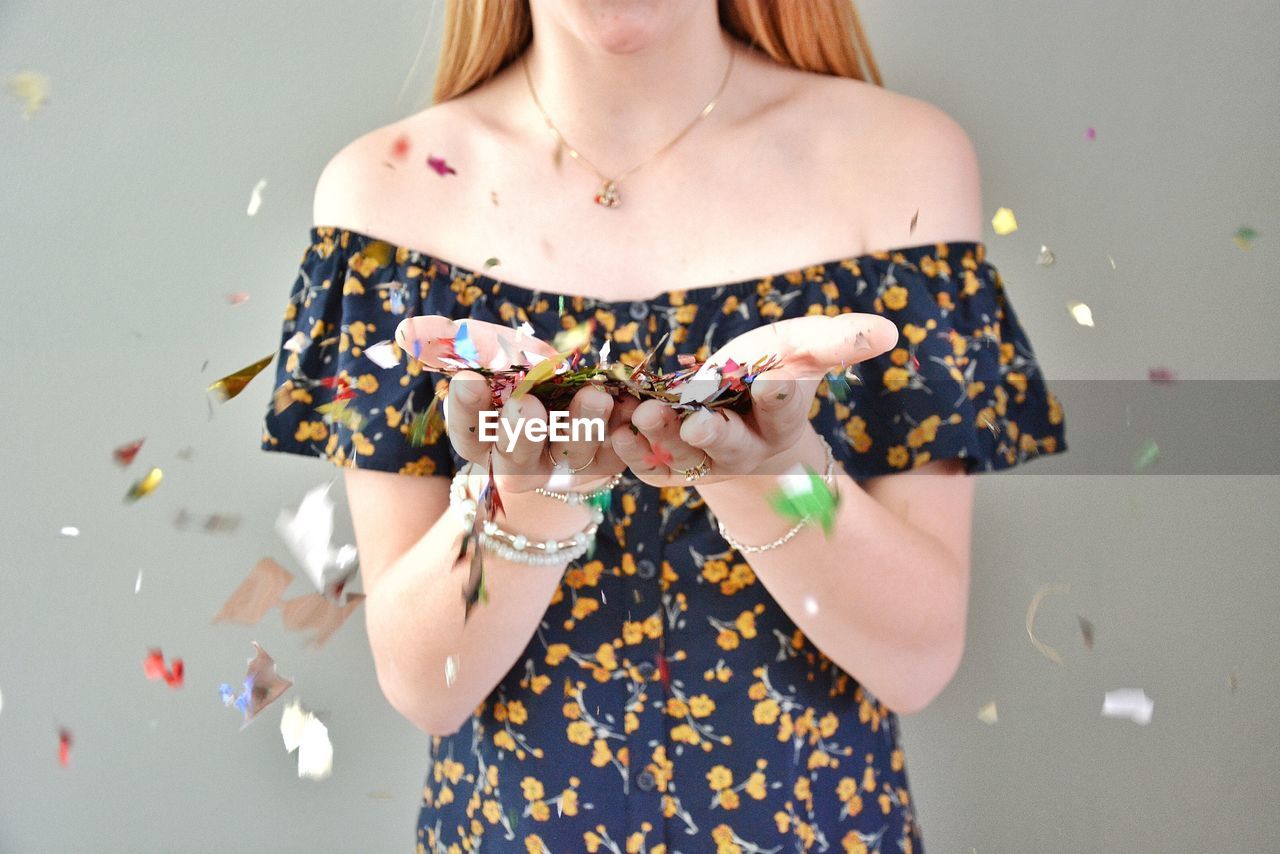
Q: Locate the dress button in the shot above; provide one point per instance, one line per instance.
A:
(645, 669)
(639, 310)
(645, 781)
(646, 569)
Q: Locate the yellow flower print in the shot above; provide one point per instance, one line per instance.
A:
(719, 778)
(492, 811)
(533, 844)
(729, 799)
(311, 431)
(925, 431)
(532, 788)
(853, 843)
(569, 802)
(579, 732)
(755, 787)
(632, 632)
(896, 379)
(676, 707)
(585, 607)
(783, 820)
(714, 571)
(727, 639)
(556, 653)
(367, 383)
(600, 753)
(362, 445)
(898, 356)
(746, 624)
(895, 298)
(539, 811)
(352, 286)
(504, 740)
(516, 712)
(766, 711)
(701, 705)
(897, 456)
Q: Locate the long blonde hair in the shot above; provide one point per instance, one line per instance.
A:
(825, 36)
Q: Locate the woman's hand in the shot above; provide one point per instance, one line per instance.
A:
(520, 464)
(775, 435)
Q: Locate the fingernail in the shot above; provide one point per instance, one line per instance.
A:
(700, 427)
(467, 392)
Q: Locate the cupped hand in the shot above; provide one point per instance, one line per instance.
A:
(771, 437)
(519, 463)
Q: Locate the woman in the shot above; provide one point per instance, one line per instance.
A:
(710, 676)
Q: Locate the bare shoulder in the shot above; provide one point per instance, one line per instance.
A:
(898, 154)
(358, 187)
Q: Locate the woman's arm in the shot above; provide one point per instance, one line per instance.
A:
(408, 542)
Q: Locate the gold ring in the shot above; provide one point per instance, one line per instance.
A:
(555, 464)
(700, 470)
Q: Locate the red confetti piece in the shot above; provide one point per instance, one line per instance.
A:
(64, 747)
(658, 456)
(237, 298)
(1090, 134)
(125, 453)
(400, 148)
(1161, 375)
(915, 363)
(442, 168)
(664, 671)
(154, 667)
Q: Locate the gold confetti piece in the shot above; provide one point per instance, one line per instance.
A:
(232, 384)
(255, 197)
(144, 485)
(1086, 631)
(30, 87)
(1245, 236)
(1045, 259)
(1048, 651)
(1004, 222)
(1081, 312)
(987, 714)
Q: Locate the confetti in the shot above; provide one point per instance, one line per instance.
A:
(805, 497)
(1090, 134)
(1131, 703)
(1245, 236)
(400, 148)
(303, 732)
(441, 168)
(125, 453)
(144, 485)
(604, 354)
(69, 531)
(262, 687)
(308, 532)
(31, 88)
(1048, 651)
(987, 714)
(450, 671)
(490, 262)
(1161, 375)
(811, 606)
(464, 346)
(383, 354)
(237, 298)
(137, 584)
(232, 384)
(318, 612)
(914, 218)
(1086, 632)
(658, 457)
(1004, 222)
(257, 594)
(1081, 312)
(1147, 455)
(153, 665)
(1045, 258)
(1, 701)
(1113, 262)
(64, 747)
(297, 342)
(255, 197)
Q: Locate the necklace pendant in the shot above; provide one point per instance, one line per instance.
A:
(608, 196)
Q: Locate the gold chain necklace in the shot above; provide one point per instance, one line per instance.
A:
(608, 195)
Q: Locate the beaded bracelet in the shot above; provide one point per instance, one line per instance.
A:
(828, 476)
(518, 548)
(574, 498)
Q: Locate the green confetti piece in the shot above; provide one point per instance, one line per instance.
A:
(838, 385)
(1245, 236)
(562, 306)
(490, 262)
(1147, 456)
(805, 498)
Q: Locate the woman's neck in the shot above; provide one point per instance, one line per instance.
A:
(618, 105)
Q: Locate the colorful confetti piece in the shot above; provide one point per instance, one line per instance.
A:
(1004, 222)
(144, 485)
(1147, 456)
(1045, 258)
(1245, 236)
(232, 384)
(31, 88)
(440, 166)
(125, 453)
(64, 747)
(262, 687)
(154, 667)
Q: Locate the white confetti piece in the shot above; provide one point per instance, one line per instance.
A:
(525, 328)
(255, 197)
(303, 731)
(810, 606)
(450, 671)
(1131, 703)
(69, 531)
(382, 354)
(308, 533)
(604, 354)
(987, 714)
(1081, 312)
(1045, 258)
(296, 343)
(137, 584)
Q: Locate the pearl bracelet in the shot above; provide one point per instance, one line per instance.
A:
(518, 548)
(828, 477)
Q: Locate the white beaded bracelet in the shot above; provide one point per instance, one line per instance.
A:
(518, 548)
(828, 476)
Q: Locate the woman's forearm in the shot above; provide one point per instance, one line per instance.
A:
(415, 614)
(881, 598)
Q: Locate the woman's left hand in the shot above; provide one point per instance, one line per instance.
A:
(771, 438)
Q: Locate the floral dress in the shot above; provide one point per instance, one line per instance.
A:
(666, 703)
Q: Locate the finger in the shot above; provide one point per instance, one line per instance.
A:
(634, 450)
(726, 438)
(660, 424)
(468, 396)
(813, 345)
(589, 413)
(779, 407)
(517, 459)
(430, 338)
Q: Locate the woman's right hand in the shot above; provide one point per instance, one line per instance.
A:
(523, 464)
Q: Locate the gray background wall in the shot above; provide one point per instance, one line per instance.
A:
(122, 215)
